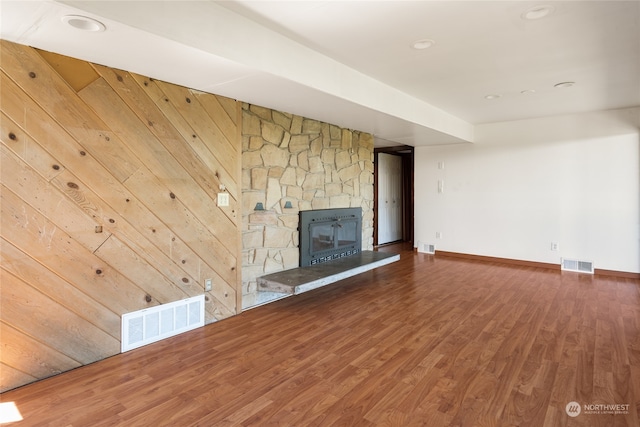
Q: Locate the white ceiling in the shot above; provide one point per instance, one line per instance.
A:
(351, 62)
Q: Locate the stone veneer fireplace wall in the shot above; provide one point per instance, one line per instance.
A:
(304, 163)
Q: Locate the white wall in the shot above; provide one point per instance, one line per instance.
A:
(524, 184)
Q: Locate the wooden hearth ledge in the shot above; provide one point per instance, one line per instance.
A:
(303, 279)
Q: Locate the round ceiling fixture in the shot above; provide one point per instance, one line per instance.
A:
(564, 84)
(423, 44)
(493, 96)
(84, 23)
(537, 12)
(528, 92)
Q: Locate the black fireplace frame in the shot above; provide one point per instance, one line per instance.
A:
(336, 218)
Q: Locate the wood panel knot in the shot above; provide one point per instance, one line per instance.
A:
(185, 280)
(72, 185)
(56, 167)
(173, 196)
(83, 153)
(98, 271)
(188, 100)
(119, 77)
(12, 136)
(112, 221)
(32, 75)
(148, 298)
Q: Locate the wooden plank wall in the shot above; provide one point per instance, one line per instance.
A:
(108, 205)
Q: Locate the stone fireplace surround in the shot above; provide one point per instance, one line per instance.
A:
(307, 164)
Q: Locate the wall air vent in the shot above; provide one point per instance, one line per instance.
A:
(426, 248)
(153, 324)
(577, 266)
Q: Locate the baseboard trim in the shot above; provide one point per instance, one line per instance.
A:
(614, 273)
(598, 271)
(499, 260)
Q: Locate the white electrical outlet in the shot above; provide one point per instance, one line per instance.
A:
(438, 235)
(555, 246)
(207, 285)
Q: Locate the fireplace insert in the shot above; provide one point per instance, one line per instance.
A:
(328, 234)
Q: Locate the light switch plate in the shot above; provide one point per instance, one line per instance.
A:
(223, 199)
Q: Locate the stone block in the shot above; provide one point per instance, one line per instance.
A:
(313, 181)
(366, 177)
(355, 202)
(328, 156)
(349, 173)
(333, 189)
(296, 125)
(260, 256)
(347, 188)
(316, 146)
(252, 239)
(301, 174)
(276, 172)
(326, 134)
(255, 143)
(293, 192)
(282, 119)
(341, 201)
(315, 165)
(335, 131)
(251, 159)
(286, 138)
(366, 190)
(259, 178)
(365, 154)
(274, 193)
(272, 133)
(263, 217)
(328, 174)
(310, 126)
(271, 266)
(303, 160)
(263, 113)
(245, 143)
(246, 179)
(290, 258)
(289, 221)
(277, 237)
(288, 176)
(343, 159)
(250, 124)
(323, 203)
(346, 140)
(299, 143)
(293, 160)
(309, 195)
(305, 205)
(274, 156)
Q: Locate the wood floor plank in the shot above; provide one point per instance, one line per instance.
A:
(427, 341)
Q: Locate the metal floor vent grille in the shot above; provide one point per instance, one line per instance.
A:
(427, 248)
(163, 321)
(577, 266)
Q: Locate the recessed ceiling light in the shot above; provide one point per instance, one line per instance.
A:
(84, 23)
(423, 44)
(564, 84)
(537, 12)
(490, 97)
(528, 92)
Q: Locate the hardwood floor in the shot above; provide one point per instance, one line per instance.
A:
(426, 341)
